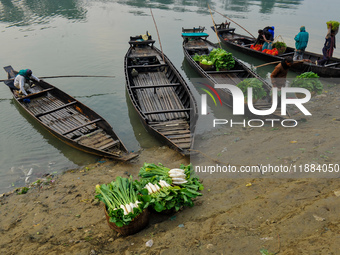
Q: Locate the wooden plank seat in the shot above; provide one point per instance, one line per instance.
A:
(108, 145)
(135, 42)
(226, 71)
(156, 86)
(140, 66)
(55, 109)
(35, 94)
(168, 111)
(81, 126)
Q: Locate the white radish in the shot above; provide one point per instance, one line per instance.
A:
(148, 188)
(176, 170)
(179, 182)
(136, 203)
(152, 187)
(178, 179)
(125, 211)
(165, 184)
(132, 205)
(177, 175)
(161, 183)
(157, 187)
(128, 208)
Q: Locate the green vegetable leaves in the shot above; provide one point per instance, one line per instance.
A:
(258, 90)
(335, 24)
(222, 59)
(309, 81)
(218, 57)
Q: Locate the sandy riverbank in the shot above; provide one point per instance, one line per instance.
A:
(294, 215)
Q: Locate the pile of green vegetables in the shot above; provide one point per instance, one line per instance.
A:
(309, 81)
(258, 90)
(121, 199)
(335, 24)
(159, 187)
(178, 186)
(218, 57)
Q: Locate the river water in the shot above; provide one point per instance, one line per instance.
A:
(79, 37)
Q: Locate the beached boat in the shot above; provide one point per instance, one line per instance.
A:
(69, 120)
(242, 43)
(195, 42)
(160, 95)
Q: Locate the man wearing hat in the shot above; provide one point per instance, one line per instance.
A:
(301, 41)
(22, 79)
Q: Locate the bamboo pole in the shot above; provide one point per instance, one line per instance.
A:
(276, 62)
(218, 39)
(159, 39)
(235, 23)
(68, 76)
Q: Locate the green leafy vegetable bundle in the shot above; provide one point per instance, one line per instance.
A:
(222, 59)
(335, 24)
(258, 90)
(218, 57)
(308, 80)
(121, 200)
(166, 189)
(278, 45)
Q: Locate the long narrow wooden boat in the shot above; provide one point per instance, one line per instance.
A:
(69, 120)
(242, 43)
(160, 95)
(195, 42)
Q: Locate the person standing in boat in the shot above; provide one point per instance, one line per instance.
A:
(301, 41)
(22, 79)
(328, 47)
(279, 75)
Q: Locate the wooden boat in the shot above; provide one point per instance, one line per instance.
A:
(195, 42)
(242, 43)
(160, 95)
(69, 120)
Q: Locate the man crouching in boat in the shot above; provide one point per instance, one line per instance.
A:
(22, 79)
(279, 75)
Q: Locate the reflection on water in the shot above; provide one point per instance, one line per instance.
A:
(38, 162)
(24, 13)
(200, 6)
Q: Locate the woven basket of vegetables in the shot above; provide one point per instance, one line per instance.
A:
(125, 212)
(137, 224)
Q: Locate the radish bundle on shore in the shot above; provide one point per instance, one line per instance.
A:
(168, 189)
(121, 200)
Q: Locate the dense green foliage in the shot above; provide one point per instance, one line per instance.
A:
(168, 198)
(117, 194)
(218, 57)
(258, 90)
(335, 24)
(308, 80)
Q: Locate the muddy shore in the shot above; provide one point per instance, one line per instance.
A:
(297, 213)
